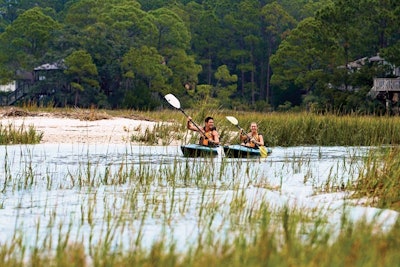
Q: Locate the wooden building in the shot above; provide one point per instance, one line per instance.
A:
(43, 80)
(387, 90)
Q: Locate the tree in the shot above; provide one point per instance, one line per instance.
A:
(206, 38)
(225, 86)
(81, 72)
(278, 23)
(185, 70)
(107, 30)
(172, 32)
(392, 54)
(173, 43)
(147, 64)
(25, 42)
(244, 20)
(302, 9)
(304, 58)
(380, 22)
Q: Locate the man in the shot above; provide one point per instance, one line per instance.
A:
(252, 139)
(209, 134)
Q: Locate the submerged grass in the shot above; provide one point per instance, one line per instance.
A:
(277, 238)
(231, 229)
(113, 210)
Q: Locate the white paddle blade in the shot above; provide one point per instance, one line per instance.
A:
(232, 120)
(173, 101)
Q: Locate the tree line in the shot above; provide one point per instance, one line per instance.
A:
(237, 54)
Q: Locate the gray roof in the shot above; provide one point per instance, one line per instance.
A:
(54, 66)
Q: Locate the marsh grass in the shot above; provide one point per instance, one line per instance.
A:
(296, 129)
(9, 134)
(379, 180)
(283, 237)
(232, 229)
(278, 129)
(159, 134)
(286, 129)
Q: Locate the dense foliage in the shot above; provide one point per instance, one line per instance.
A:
(236, 54)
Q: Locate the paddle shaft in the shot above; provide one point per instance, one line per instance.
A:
(173, 101)
(195, 125)
(246, 133)
(234, 121)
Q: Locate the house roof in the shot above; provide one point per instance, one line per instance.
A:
(54, 66)
(375, 59)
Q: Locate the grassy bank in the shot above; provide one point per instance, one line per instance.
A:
(293, 129)
(279, 129)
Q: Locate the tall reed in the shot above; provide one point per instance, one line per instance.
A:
(107, 221)
(10, 134)
(294, 129)
(278, 129)
(379, 179)
(286, 129)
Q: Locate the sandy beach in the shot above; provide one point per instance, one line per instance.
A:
(61, 129)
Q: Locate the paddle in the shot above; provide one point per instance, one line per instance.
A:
(176, 104)
(234, 121)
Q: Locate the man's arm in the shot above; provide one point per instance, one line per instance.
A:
(190, 125)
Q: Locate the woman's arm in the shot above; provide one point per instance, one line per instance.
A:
(215, 137)
(243, 136)
(260, 141)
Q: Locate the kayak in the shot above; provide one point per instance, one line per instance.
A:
(196, 150)
(232, 151)
(239, 151)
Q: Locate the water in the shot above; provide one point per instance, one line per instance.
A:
(143, 193)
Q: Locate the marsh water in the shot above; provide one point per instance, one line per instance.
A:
(135, 195)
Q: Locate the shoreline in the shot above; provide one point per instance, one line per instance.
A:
(62, 129)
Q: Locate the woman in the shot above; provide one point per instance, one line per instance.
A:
(252, 139)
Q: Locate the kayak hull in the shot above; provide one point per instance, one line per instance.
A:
(195, 151)
(239, 151)
(232, 151)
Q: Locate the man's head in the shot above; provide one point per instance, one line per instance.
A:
(209, 122)
(208, 119)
